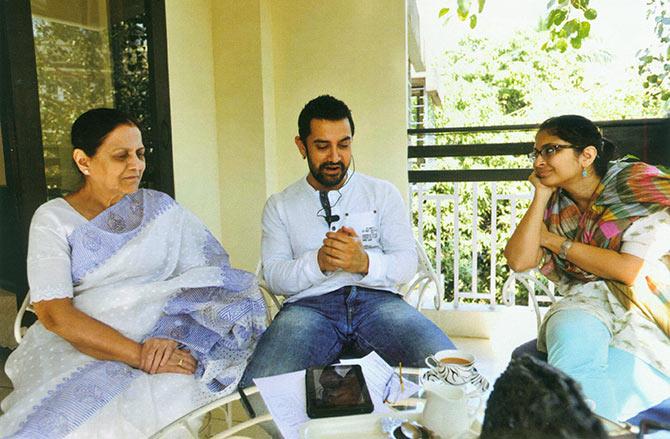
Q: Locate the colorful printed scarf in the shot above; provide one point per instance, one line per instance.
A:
(627, 192)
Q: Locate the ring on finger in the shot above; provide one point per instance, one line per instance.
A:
(181, 362)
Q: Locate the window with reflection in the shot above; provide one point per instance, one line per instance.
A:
(89, 53)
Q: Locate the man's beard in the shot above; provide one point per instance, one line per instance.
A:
(324, 179)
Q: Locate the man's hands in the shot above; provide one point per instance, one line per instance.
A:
(160, 355)
(343, 249)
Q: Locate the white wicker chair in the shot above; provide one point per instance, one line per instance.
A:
(425, 275)
(188, 426)
(273, 302)
(529, 279)
(19, 330)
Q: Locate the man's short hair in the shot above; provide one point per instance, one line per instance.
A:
(323, 107)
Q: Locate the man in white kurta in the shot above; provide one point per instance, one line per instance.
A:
(338, 243)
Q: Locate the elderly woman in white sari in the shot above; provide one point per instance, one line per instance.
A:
(141, 317)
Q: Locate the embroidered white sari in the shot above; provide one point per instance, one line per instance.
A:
(147, 268)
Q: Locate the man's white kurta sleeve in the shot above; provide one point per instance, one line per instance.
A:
(285, 273)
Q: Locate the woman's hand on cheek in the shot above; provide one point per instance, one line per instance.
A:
(540, 189)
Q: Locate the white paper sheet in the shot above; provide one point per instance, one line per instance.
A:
(284, 396)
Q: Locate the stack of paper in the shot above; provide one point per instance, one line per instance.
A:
(284, 395)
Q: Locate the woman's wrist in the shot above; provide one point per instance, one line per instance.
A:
(551, 241)
(542, 196)
(135, 359)
(564, 248)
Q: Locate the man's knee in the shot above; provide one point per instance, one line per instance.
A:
(296, 339)
(409, 338)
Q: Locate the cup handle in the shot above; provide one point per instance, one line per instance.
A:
(432, 362)
(479, 381)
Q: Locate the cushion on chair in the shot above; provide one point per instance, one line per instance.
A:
(659, 413)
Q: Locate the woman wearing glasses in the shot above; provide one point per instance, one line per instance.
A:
(598, 229)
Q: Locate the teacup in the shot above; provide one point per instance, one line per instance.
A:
(454, 367)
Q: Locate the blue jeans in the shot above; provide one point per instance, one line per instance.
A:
(315, 331)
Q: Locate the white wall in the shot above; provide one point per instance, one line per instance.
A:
(240, 72)
(192, 107)
(354, 50)
(241, 122)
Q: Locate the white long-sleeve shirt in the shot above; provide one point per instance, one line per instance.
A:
(294, 228)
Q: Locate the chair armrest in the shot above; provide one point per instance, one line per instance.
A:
(529, 280)
(25, 306)
(183, 422)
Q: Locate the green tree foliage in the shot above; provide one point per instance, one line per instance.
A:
(463, 10)
(568, 23)
(513, 82)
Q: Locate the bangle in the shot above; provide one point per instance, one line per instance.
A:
(565, 246)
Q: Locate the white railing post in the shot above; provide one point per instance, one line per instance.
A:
(438, 235)
(419, 201)
(475, 220)
(494, 242)
(456, 240)
(420, 198)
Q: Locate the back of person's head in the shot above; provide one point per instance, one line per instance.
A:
(323, 107)
(92, 127)
(581, 132)
(532, 399)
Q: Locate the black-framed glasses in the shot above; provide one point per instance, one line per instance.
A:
(549, 150)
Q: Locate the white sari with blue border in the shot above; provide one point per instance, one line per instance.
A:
(147, 268)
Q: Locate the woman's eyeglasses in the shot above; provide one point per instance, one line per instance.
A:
(548, 151)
